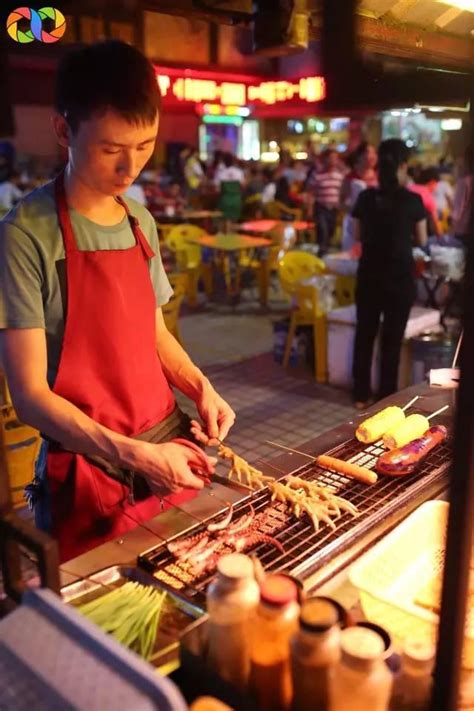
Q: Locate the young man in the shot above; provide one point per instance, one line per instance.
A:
(87, 355)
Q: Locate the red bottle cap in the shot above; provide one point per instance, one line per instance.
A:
(278, 590)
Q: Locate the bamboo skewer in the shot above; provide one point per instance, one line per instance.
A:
(290, 449)
(409, 404)
(458, 348)
(438, 412)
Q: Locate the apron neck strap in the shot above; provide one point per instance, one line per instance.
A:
(64, 217)
(136, 229)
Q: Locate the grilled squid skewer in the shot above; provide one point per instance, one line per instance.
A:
(223, 523)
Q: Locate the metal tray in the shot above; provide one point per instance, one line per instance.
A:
(178, 613)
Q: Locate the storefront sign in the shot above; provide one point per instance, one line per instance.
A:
(196, 87)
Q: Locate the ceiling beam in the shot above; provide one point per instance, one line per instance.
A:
(406, 41)
(401, 8)
(448, 16)
(432, 48)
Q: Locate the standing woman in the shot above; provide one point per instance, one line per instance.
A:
(387, 220)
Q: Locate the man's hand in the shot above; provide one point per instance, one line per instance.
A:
(217, 417)
(173, 466)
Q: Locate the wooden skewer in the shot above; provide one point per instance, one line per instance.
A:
(438, 412)
(458, 348)
(290, 449)
(409, 404)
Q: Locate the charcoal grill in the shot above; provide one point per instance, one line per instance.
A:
(306, 550)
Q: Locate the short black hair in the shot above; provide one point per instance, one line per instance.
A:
(107, 75)
(428, 174)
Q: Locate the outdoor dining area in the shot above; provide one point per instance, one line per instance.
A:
(274, 263)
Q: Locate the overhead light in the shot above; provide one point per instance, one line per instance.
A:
(451, 124)
(300, 155)
(231, 120)
(269, 156)
(464, 109)
(460, 4)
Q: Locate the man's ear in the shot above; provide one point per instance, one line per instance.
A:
(62, 130)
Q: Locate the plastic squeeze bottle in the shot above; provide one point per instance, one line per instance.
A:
(275, 621)
(361, 681)
(412, 689)
(231, 600)
(315, 648)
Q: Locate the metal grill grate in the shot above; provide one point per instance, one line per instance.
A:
(306, 550)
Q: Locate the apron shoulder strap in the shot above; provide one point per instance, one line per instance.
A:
(64, 218)
(137, 231)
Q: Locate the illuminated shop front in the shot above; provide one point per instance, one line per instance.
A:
(227, 109)
(431, 132)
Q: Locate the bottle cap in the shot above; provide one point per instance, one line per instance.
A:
(208, 703)
(278, 590)
(235, 566)
(361, 646)
(419, 653)
(318, 615)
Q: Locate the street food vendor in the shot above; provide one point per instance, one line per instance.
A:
(88, 358)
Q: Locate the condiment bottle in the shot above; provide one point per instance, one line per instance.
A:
(275, 621)
(208, 703)
(231, 599)
(361, 681)
(315, 648)
(412, 689)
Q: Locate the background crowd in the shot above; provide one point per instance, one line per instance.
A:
(323, 188)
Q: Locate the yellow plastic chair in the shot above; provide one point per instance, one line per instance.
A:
(296, 267)
(163, 230)
(188, 259)
(444, 221)
(251, 206)
(277, 210)
(293, 269)
(306, 312)
(283, 238)
(20, 446)
(179, 282)
(345, 289)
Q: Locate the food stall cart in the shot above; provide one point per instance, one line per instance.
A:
(320, 559)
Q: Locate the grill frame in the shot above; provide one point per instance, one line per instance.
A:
(381, 505)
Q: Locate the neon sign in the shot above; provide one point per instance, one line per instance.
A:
(197, 89)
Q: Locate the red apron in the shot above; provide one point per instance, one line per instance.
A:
(109, 368)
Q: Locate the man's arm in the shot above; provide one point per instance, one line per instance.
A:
(181, 372)
(24, 359)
